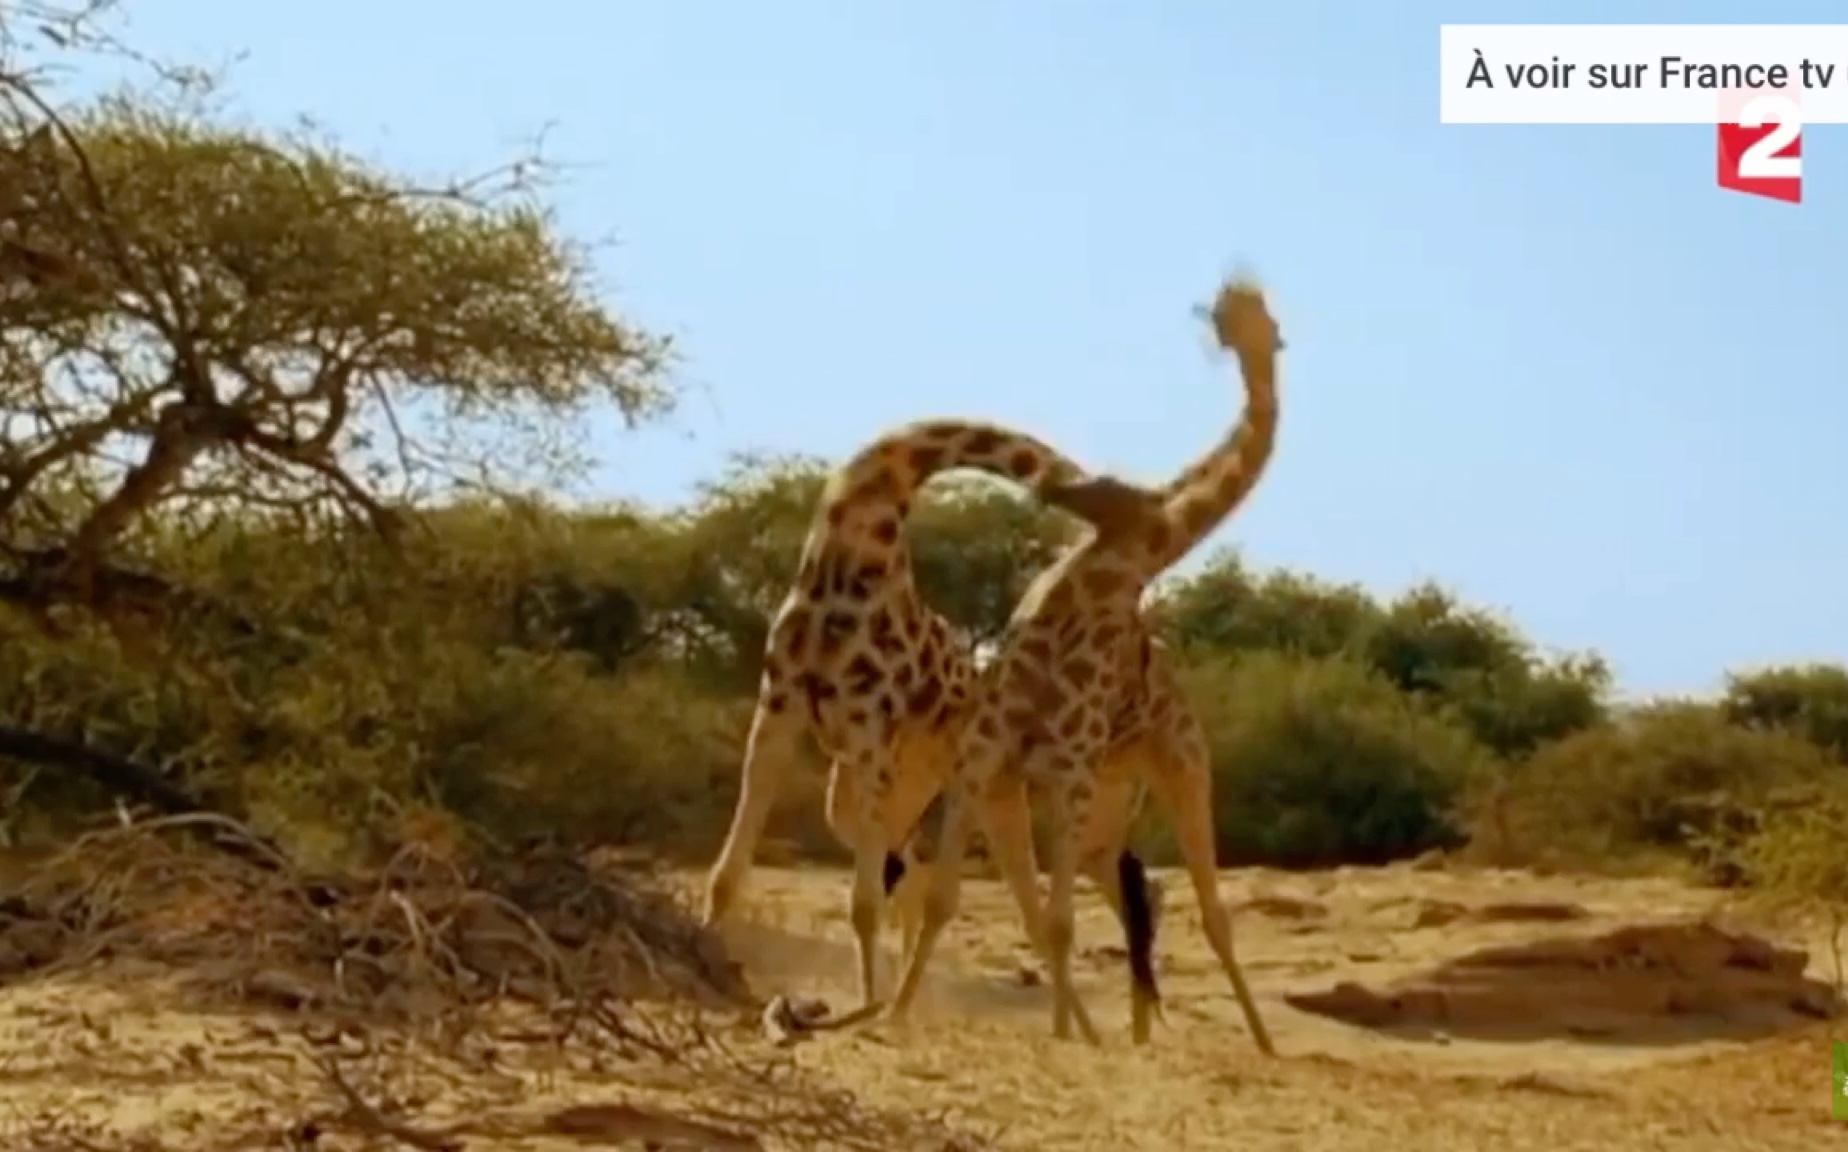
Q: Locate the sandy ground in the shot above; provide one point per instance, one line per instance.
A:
(114, 1054)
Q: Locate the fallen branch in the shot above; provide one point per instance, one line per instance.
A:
(370, 1120)
(139, 782)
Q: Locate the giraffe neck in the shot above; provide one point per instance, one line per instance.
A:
(861, 518)
(1213, 486)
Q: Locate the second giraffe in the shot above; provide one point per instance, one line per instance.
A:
(1078, 689)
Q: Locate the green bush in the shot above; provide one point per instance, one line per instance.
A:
(1797, 851)
(1671, 779)
(1793, 860)
(428, 681)
(1321, 761)
(1810, 700)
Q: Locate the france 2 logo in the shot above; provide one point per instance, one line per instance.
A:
(1760, 140)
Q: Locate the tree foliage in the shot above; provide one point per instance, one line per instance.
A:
(200, 321)
(1810, 700)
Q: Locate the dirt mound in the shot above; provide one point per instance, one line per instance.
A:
(1659, 984)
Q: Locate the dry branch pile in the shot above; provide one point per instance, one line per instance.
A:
(418, 940)
(436, 965)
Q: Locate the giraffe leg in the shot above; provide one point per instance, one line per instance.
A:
(1061, 919)
(847, 819)
(923, 764)
(1120, 876)
(866, 908)
(907, 877)
(909, 881)
(1007, 817)
(940, 896)
(869, 764)
(842, 806)
(976, 766)
(768, 751)
(910, 899)
(1182, 780)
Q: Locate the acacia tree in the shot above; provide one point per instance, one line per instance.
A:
(198, 320)
(202, 323)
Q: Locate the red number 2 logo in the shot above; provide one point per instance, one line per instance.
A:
(1761, 152)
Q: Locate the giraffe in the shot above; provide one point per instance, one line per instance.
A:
(1079, 697)
(857, 660)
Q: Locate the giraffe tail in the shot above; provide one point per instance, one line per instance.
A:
(1138, 924)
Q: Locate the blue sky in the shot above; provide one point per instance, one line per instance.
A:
(1551, 367)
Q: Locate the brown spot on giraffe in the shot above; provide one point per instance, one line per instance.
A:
(1103, 583)
(926, 457)
(924, 701)
(863, 675)
(795, 640)
(1078, 672)
(982, 442)
(884, 636)
(881, 487)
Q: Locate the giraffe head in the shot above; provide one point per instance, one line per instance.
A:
(1115, 508)
(1241, 322)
